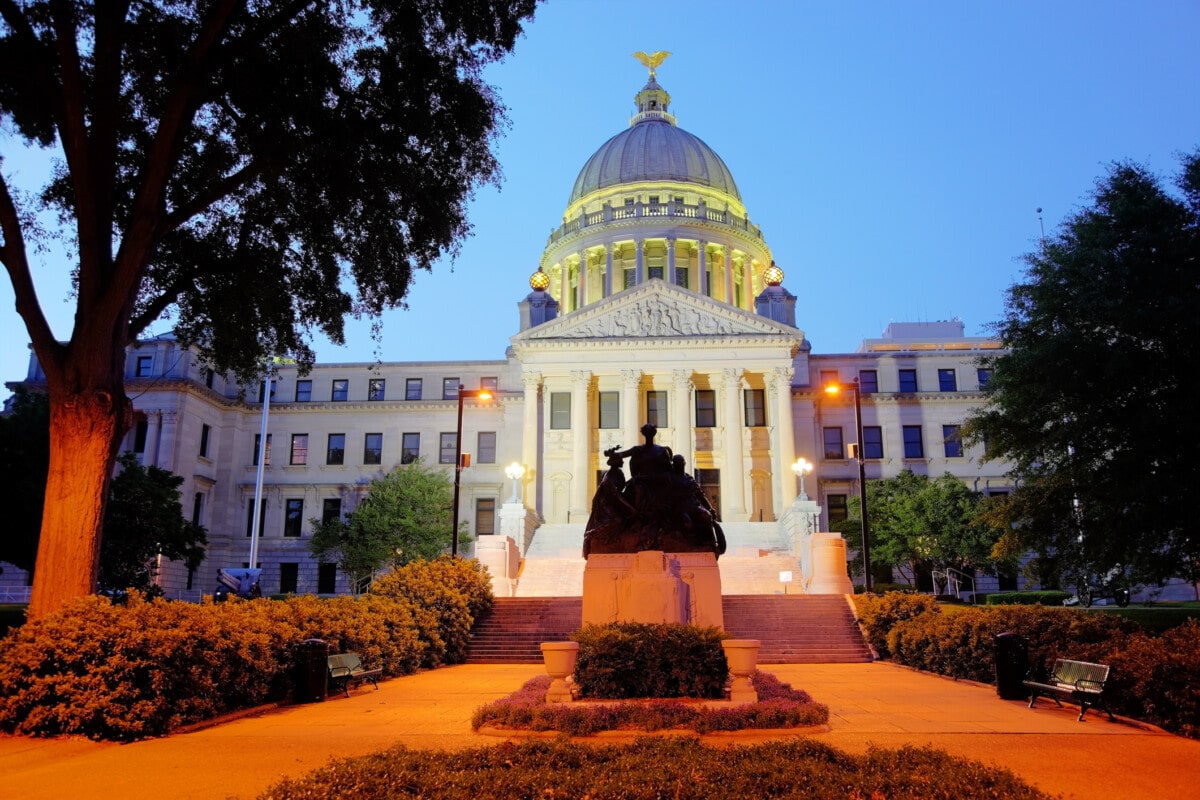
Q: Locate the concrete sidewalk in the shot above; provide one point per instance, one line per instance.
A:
(869, 703)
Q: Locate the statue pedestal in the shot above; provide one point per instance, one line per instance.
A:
(829, 574)
(652, 587)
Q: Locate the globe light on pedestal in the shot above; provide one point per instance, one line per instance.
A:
(514, 471)
(802, 467)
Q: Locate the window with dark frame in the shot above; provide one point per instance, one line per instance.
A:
(209, 377)
(299, 449)
(868, 381)
(839, 510)
(412, 389)
(908, 380)
(983, 376)
(254, 455)
(560, 411)
(486, 450)
(326, 578)
(340, 392)
(490, 383)
(913, 447)
(485, 516)
(410, 448)
(197, 507)
(449, 388)
(304, 391)
(834, 447)
(205, 433)
(952, 441)
(376, 389)
(373, 448)
(331, 509)
(756, 408)
(656, 409)
(947, 380)
(610, 410)
(446, 448)
(262, 387)
(145, 366)
(872, 441)
(141, 430)
(830, 377)
(681, 276)
(706, 408)
(293, 516)
(289, 577)
(262, 516)
(335, 453)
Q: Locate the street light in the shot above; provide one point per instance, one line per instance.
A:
(463, 394)
(833, 389)
(802, 467)
(514, 471)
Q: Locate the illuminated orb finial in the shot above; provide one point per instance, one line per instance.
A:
(773, 275)
(539, 281)
(651, 61)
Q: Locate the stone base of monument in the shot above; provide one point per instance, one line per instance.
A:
(652, 587)
(829, 565)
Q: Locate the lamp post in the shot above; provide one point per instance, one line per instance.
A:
(463, 394)
(802, 467)
(833, 389)
(514, 471)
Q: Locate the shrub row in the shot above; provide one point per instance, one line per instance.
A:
(1153, 678)
(778, 706)
(631, 659)
(653, 768)
(1045, 597)
(130, 671)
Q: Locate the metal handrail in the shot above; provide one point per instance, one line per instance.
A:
(954, 579)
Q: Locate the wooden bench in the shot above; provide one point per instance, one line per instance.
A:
(1078, 681)
(345, 668)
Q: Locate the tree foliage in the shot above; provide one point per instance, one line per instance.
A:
(405, 516)
(252, 170)
(1094, 402)
(24, 459)
(144, 519)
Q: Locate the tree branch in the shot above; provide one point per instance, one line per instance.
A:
(16, 262)
(219, 190)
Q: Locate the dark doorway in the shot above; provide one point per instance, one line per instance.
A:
(710, 484)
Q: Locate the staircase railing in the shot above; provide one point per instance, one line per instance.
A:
(954, 580)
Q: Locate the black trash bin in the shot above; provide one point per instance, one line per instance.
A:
(312, 671)
(1012, 665)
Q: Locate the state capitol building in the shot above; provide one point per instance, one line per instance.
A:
(656, 300)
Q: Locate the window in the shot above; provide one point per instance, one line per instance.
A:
(629, 277)
(908, 380)
(951, 441)
(872, 441)
(145, 365)
(373, 448)
(257, 443)
(912, 442)
(262, 516)
(756, 411)
(681, 277)
(336, 451)
(449, 443)
(341, 391)
(197, 507)
(412, 389)
(487, 447)
(410, 448)
(262, 386)
(331, 509)
(706, 408)
(610, 410)
(830, 377)
(868, 381)
(326, 578)
(560, 411)
(833, 443)
(139, 436)
(376, 389)
(205, 432)
(838, 510)
(303, 391)
(289, 577)
(299, 449)
(947, 380)
(655, 272)
(293, 516)
(491, 384)
(449, 388)
(209, 377)
(984, 375)
(656, 409)
(485, 516)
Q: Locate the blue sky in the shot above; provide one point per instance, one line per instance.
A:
(893, 153)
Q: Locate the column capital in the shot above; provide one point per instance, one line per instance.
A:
(531, 380)
(732, 376)
(581, 376)
(631, 376)
(682, 378)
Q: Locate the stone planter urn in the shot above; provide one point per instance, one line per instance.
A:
(560, 663)
(742, 657)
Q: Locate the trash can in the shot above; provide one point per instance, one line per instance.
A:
(312, 671)
(1012, 665)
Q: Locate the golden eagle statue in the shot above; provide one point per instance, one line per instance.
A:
(651, 61)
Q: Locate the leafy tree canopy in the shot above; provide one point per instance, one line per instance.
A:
(24, 459)
(405, 516)
(143, 520)
(1094, 402)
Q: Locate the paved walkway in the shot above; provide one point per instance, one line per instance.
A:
(869, 703)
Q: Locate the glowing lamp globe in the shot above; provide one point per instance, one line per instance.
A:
(539, 281)
(773, 275)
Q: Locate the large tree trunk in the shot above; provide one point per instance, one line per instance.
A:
(86, 427)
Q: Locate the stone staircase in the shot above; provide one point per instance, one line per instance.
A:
(793, 629)
(796, 629)
(513, 630)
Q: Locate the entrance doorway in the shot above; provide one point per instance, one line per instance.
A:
(710, 484)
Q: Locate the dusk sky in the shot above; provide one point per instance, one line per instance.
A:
(894, 154)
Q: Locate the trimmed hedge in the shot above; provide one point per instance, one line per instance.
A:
(1045, 597)
(125, 672)
(631, 659)
(655, 768)
(879, 613)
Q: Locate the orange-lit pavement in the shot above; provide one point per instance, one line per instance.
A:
(879, 703)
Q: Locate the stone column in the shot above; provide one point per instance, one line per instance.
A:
(153, 431)
(529, 434)
(564, 287)
(671, 259)
(167, 455)
(728, 274)
(608, 269)
(630, 400)
(780, 381)
(733, 479)
(581, 440)
(640, 275)
(681, 414)
(583, 278)
(748, 282)
(701, 267)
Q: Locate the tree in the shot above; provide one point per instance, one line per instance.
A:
(1094, 401)
(24, 460)
(235, 166)
(143, 520)
(405, 516)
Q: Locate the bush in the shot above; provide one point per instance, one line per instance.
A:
(1047, 597)
(629, 659)
(1155, 678)
(652, 768)
(879, 614)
